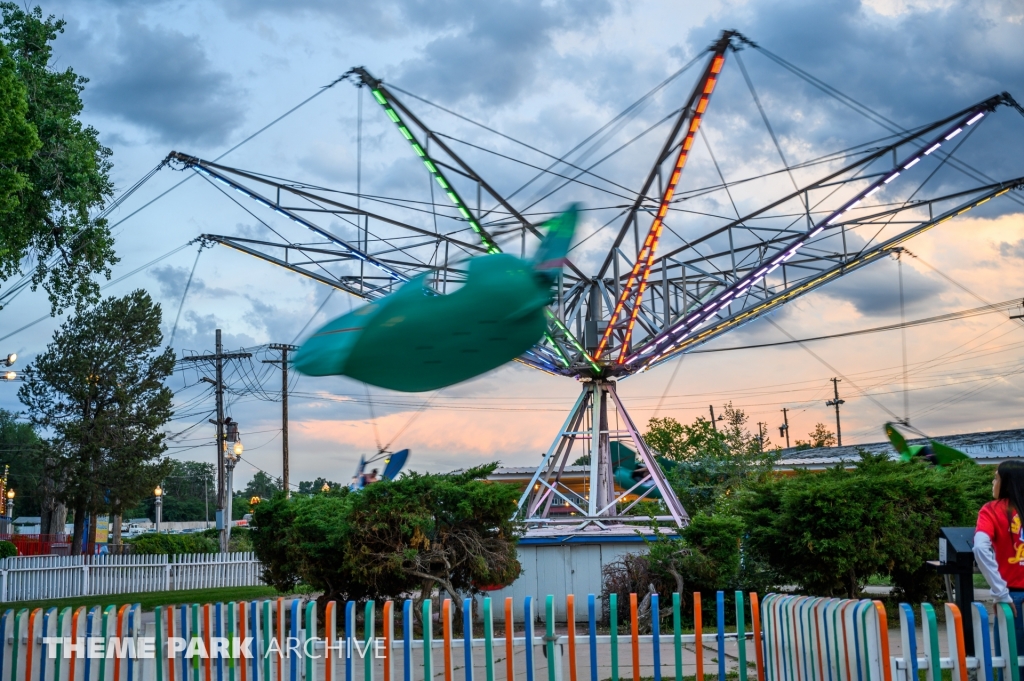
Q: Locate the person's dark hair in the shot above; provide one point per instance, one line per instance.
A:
(1011, 485)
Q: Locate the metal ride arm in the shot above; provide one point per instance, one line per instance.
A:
(818, 271)
(394, 262)
(633, 290)
(560, 340)
(719, 290)
(390, 103)
(350, 285)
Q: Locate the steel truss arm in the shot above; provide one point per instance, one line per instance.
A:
(405, 252)
(559, 338)
(346, 284)
(816, 274)
(722, 287)
(633, 289)
(390, 103)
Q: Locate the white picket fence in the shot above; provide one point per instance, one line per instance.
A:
(26, 578)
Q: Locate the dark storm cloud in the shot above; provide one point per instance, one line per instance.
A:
(172, 281)
(874, 290)
(486, 51)
(198, 331)
(911, 68)
(163, 81)
(497, 51)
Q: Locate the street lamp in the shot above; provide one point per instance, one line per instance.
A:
(230, 460)
(10, 375)
(10, 511)
(11, 359)
(159, 494)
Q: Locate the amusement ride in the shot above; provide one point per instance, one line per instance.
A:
(669, 270)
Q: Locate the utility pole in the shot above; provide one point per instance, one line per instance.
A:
(761, 427)
(714, 425)
(835, 403)
(283, 348)
(218, 362)
(784, 428)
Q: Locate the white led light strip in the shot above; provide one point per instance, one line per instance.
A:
(698, 316)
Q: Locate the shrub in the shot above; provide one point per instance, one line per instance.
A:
(172, 544)
(8, 549)
(707, 556)
(240, 540)
(829, 532)
(420, 532)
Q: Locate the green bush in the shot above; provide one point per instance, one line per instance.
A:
(451, 532)
(8, 549)
(240, 540)
(172, 544)
(706, 557)
(829, 532)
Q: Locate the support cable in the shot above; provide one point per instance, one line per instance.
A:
(903, 333)
(834, 370)
(251, 137)
(104, 287)
(184, 294)
(764, 117)
(874, 116)
(306, 325)
(625, 112)
(511, 139)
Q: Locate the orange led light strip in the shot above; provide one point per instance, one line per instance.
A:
(642, 269)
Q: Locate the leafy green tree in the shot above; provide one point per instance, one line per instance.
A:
(54, 179)
(22, 451)
(18, 139)
(189, 494)
(669, 438)
(263, 486)
(99, 389)
(712, 459)
(729, 436)
(418, 533)
(829, 531)
(821, 436)
(317, 486)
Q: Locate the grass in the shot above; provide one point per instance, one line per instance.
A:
(151, 600)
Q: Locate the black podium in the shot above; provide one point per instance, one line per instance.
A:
(956, 558)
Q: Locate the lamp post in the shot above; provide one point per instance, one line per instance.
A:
(11, 359)
(9, 511)
(230, 460)
(159, 494)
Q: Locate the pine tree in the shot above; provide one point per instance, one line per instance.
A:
(98, 389)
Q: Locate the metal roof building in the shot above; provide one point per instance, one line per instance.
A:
(985, 448)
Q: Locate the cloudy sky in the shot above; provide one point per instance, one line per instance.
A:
(200, 77)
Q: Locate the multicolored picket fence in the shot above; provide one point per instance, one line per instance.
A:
(782, 638)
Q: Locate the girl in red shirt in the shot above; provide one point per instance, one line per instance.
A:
(999, 540)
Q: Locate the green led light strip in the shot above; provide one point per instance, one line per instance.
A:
(464, 211)
(572, 339)
(446, 187)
